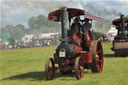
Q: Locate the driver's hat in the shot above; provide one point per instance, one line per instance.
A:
(86, 19)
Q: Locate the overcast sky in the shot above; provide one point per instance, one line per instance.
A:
(19, 11)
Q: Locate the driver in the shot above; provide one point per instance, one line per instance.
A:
(76, 25)
(86, 25)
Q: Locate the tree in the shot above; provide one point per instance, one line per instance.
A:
(33, 23)
(16, 32)
(42, 24)
(19, 31)
(7, 29)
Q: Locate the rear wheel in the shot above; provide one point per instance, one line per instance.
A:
(116, 53)
(79, 70)
(49, 68)
(121, 53)
(97, 53)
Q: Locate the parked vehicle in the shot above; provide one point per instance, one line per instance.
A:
(120, 42)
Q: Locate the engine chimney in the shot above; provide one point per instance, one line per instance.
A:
(122, 25)
(64, 23)
(122, 22)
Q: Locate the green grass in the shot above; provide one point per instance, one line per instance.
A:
(26, 67)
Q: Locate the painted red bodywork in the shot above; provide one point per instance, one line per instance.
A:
(76, 44)
(92, 17)
(86, 57)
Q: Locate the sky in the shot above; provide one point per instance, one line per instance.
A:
(19, 11)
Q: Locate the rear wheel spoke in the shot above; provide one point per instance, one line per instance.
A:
(99, 61)
(79, 68)
(99, 51)
(98, 67)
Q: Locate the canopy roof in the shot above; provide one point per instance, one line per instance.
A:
(55, 15)
(116, 21)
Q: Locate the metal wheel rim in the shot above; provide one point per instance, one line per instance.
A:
(49, 69)
(79, 71)
(99, 60)
(97, 53)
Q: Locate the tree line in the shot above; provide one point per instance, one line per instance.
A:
(36, 24)
(40, 23)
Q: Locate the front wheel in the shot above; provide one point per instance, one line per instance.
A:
(49, 69)
(79, 70)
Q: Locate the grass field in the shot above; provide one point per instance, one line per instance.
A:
(26, 67)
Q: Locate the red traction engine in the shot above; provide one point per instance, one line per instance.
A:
(77, 50)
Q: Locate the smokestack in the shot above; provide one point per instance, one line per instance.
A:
(122, 22)
(64, 23)
(122, 25)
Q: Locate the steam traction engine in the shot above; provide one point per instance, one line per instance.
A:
(120, 42)
(77, 49)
